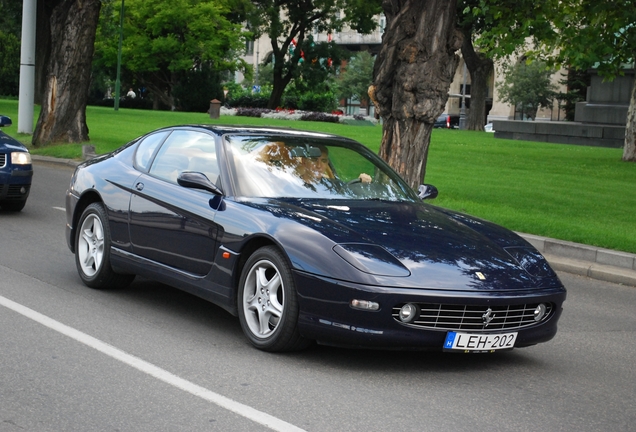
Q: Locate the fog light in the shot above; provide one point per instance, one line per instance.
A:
(539, 312)
(409, 312)
(364, 305)
(22, 190)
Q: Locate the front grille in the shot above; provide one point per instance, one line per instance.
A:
(3, 160)
(471, 318)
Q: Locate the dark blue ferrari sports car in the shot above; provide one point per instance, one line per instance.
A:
(306, 237)
(16, 171)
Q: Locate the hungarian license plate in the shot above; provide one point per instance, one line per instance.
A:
(479, 342)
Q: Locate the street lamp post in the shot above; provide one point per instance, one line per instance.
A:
(462, 110)
(27, 68)
(121, 36)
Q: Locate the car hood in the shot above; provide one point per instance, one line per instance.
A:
(420, 245)
(9, 144)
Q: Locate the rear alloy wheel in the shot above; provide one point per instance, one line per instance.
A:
(92, 250)
(267, 303)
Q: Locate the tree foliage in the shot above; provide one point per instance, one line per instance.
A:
(527, 86)
(10, 19)
(289, 23)
(11, 16)
(164, 40)
(595, 34)
(9, 64)
(601, 35)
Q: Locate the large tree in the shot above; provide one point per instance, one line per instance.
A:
(412, 75)
(164, 40)
(288, 23)
(67, 66)
(495, 29)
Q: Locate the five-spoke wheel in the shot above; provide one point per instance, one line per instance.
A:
(90, 245)
(268, 308)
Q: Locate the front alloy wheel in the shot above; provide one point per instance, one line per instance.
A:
(268, 308)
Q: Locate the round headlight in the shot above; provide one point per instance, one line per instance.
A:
(409, 312)
(539, 312)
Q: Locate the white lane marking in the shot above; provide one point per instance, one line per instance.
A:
(60, 208)
(150, 369)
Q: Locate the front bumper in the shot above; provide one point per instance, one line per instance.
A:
(327, 317)
(15, 185)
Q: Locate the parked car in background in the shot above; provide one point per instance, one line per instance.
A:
(447, 121)
(306, 237)
(16, 171)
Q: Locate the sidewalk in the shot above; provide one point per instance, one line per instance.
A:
(596, 263)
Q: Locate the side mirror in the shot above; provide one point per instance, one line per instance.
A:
(427, 191)
(197, 180)
(5, 121)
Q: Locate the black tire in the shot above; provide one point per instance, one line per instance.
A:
(13, 206)
(267, 303)
(92, 251)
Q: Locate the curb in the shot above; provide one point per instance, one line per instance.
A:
(59, 161)
(596, 263)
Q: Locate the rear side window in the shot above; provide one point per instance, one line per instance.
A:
(147, 148)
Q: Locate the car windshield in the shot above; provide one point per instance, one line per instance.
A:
(301, 167)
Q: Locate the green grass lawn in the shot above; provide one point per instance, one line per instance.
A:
(576, 193)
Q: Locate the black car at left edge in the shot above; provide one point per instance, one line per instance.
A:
(306, 237)
(16, 171)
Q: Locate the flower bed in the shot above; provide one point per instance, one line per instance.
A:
(282, 114)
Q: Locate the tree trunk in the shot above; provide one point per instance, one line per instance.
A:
(480, 68)
(629, 151)
(280, 83)
(63, 115)
(411, 78)
(283, 75)
(161, 87)
(42, 45)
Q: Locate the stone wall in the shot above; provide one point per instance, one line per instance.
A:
(606, 102)
(599, 121)
(561, 132)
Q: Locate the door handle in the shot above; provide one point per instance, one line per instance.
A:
(139, 186)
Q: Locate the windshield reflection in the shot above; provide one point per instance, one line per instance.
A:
(292, 167)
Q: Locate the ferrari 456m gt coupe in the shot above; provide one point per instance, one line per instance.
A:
(306, 237)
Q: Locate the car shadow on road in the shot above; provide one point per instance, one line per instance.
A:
(207, 318)
(386, 361)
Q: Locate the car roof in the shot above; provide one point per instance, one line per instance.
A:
(265, 130)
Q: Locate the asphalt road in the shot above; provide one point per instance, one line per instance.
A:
(151, 358)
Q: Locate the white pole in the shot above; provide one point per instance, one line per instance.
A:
(27, 68)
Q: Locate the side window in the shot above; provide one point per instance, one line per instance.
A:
(186, 150)
(146, 149)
